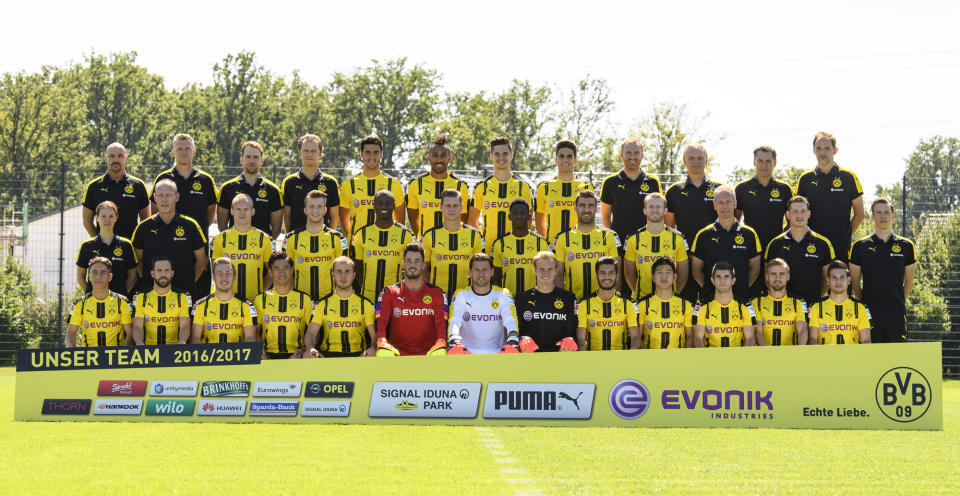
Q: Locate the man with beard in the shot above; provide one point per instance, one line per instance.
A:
(267, 207)
(483, 319)
(343, 323)
(782, 319)
(548, 314)
(378, 248)
(161, 315)
(423, 193)
(651, 242)
(128, 193)
(579, 248)
(513, 253)
(284, 312)
(295, 187)
(606, 320)
(411, 314)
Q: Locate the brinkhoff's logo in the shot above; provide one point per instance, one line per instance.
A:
(226, 388)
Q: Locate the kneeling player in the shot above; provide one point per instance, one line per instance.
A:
(782, 318)
(343, 322)
(222, 317)
(103, 316)
(548, 313)
(838, 318)
(482, 317)
(667, 319)
(723, 321)
(284, 312)
(411, 314)
(606, 320)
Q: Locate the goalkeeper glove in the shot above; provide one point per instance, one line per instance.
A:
(438, 348)
(386, 349)
(567, 344)
(528, 345)
(458, 349)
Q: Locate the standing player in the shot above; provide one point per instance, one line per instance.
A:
(357, 193)
(622, 195)
(423, 192)
(411, 314)
(838, 318)
(449, 246)
(161, 315)
(726, 240)
(548, 314)
(806, 252)
(492, 196)
(483, 319)
(313, 249)
(651, 242)
(101, 316)
(295, 187)
(581, 246)
(762, 199)
(221, 317)
(247, 247)
(666, 320)
(833, 192)
(513, 253)
(606, 320)
(556, 197)
(284, 312)
(887, 263)
(343, 323)
(267, 204)
(723, 321)
(782, 319)
(378, 248)
(124, 190)
(106, 244)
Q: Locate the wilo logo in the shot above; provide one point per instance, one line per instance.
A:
(170, 407)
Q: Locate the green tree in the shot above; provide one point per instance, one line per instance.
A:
(666, 132)
(470, 121)
(583, 115)
(24, 318)
(522, 118)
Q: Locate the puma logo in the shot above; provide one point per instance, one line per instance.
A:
(572, 400)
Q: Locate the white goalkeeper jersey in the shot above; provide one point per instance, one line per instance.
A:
(482, 322)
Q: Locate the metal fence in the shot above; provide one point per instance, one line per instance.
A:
(41, 231)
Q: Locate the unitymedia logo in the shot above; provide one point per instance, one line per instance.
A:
(226, 388)
(170, 407)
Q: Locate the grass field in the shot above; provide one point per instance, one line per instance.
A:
(146, 458)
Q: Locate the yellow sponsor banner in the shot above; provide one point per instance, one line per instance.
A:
(877, 386)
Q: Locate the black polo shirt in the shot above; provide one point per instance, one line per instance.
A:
(692, 206)
(265, 195)
(831, 198)
(764, 207)
(177, 240)
(738, 245)
(121, 255)
(294, 189)
(130, 195)
(625, 196)
(806, 259)
(197, 192)
(882, 264)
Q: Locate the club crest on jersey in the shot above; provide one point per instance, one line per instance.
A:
(423, 204)
(495, 304)
(209, 326)
(558, 304)
(570, 256)
(196, 186)
(644, 187)
(427, 299)
(262, 193)
(895, 249)
(180, 231)
(811, 249)
(128, 189)
(739, 239)
(356, 202)
(117, 251)
(775, 193)
(321, 187)
(709, 193)
(837, 183)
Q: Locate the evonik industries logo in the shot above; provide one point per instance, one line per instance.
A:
(731, 404)
(629, 399)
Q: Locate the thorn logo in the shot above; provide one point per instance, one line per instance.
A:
(208, 407)
(629, 399)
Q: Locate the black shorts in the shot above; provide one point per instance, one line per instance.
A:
(278, 356)
(889, 329)
(339, 354)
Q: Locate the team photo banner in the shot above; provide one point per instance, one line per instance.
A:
(876, 386)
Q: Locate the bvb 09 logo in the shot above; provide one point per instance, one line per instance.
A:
(196, 186)
(903, 394)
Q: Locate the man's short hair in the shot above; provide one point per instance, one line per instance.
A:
(183, 137)
(315, 193)
(100, 260)
(413, 247)
(723, 265)
(166, 181)
(481, 257)
(450, 193)
(657, 196)
(240, 197)
(309, 137)
(251, 144)
(836, 264)
(343, 259)
(723, 188)
(767, 149)
(221, 261)
(440, 140)
(798, 199)
(585, 193)
(279, 256)
(518, 201)
(776, 262)
(697, 146)
(160, 258)
(824, 134)
(632, 140)
(606, 261)
(544, 255)
(501, 140)
(878, 201)
(566, 144)
(107, 204)
(661, 261)
(371, 139)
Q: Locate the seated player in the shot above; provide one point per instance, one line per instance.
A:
(782, 318)
(411, 314)
(343, 323)
(161, 315)
(838, 318)
(606, 320)
(284, 312)
(666, 319)
(221, 317)
(102, 316)
(483, 319)
(547, 313)
(723, 321)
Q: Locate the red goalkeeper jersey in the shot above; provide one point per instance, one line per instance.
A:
(412, 321)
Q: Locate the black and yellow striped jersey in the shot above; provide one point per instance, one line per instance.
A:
(839, 323)
(724, 323)
(357, 193)
(223, 321)
(514, 257)
(380, 251)
(556, 199)
(492, 197)
(664, 321)
(283, 319)
(607, 322)
(249, 253)
(101, 322)
(423, 194)
(161, 314)
(779, 317)
(312, 256)
(448, 253)
(343, 323)
(579, 252)
(644, 247)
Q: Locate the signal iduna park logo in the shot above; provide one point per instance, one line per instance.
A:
(539, 401)
(425, 399)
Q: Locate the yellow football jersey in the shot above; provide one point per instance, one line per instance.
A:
(492, 197)
(283, 319)
(423, 194)
(556, 199)
(643, 247)
(312, 256)
(579, 252)
(724, 323)
(514, 257)
(249, 253)
(607, 322)
(357, 194)
(343, 323)
(380, 251)
(839, 323)
(101, 322)
(223, 321)
(664, 321)
(779, 317)
(161, 314)
(448, 253)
